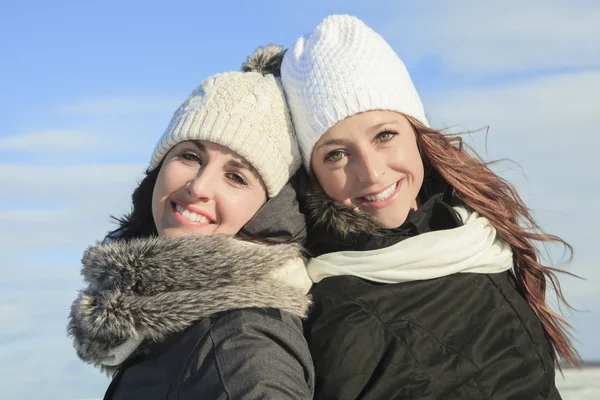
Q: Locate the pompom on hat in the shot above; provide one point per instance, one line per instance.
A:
(342, 68)
(245, 112)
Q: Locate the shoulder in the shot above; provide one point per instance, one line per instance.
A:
(469, 298)
(252, 329)
(250, 353)
(154, 373)
(246, 353)
(253, 315)
(252, 321)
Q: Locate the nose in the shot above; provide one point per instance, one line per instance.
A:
(369, 167)
(201, 186)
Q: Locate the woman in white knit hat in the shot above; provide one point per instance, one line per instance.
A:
(428, 281)
(200, 292)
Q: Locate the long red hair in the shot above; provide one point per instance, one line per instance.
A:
(498, 200)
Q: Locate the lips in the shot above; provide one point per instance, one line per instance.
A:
(383, 194)
(190, 215)
(383, 198)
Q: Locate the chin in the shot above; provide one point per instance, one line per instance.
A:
(185, 232)
(390, 220)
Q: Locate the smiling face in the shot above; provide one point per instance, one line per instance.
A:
(204, 188)
(371, 160)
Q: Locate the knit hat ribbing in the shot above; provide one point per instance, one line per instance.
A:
(245, 112)
(340, 69)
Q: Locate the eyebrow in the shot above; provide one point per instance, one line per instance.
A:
(330, 142)
(199, 145)
(381, 125)
(242, 164)
(371, 129)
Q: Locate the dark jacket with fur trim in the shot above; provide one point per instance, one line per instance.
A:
(208, 317)
(215, 323)
(463, 336)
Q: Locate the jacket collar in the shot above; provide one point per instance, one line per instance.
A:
(155, 287)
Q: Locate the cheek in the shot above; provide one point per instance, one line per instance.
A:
(334, 183)
(236, 210)
(417, 168)
(158, 193)
(414, 168)
(407, 159)
(170, 179)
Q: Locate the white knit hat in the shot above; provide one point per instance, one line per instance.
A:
(340, 69)
(245, 112)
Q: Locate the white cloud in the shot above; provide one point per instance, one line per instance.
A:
(124, 105)
(473, 37)
(97, 141)
(61, 207)
(64, 180)
(579, 384)
(51, 140)
(32, 216)
(11, 314)
(91, 130)
(547, 116)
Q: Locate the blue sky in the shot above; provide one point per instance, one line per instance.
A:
(87, 89)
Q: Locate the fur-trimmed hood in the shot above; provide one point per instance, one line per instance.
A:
(155, 287)
(327, 215)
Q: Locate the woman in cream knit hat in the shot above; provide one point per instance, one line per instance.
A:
(200, 292)
(428, 281)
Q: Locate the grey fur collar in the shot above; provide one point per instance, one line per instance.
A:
(158, 286)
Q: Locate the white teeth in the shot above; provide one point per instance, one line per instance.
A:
(383, 195)
(192, 216)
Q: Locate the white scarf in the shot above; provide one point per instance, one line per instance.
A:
(471, 248)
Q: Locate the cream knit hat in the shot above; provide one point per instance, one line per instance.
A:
(245, 112)
(340, 69)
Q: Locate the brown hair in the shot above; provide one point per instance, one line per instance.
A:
(498, 200)
(139, 222)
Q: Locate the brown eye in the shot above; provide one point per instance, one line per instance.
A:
(237, 179)
(385, 136)
(190, 156)
(334, 156)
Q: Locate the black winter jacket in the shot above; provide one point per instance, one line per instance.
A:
(243, 354)
(463, 336)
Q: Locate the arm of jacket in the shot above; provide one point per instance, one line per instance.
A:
(250, 354)
(339, 334)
